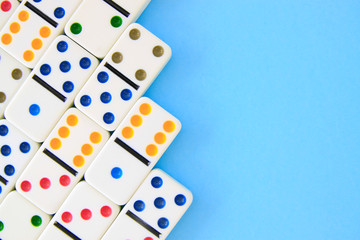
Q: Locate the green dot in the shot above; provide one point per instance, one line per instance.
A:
(116, 21)
(36, 221)
(1, 226)
(76, 28)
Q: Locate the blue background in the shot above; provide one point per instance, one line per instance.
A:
(268, 95)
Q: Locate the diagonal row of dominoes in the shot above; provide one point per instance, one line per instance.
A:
(75, 141)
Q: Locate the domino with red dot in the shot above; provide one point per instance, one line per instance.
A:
(61, 161)
(133, 150)
(85, 214)
(7, 7)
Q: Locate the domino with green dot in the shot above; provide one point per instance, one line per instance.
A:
(97, 24)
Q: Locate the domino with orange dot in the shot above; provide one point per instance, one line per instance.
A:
(57, 78)
(19, 219)
(133, 150)
(33, 26)
(97, 24)
(123, 76)
(85, 214)
(13, 75)
(7, 7)
(61, 161)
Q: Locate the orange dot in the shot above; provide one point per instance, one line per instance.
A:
(64, 132)
(72, 120)
(160, 138)
(95, 137)
(169, 126)
(28, 55)
(45, 32)
(136, 120)
(79, 161)
(23, 16)
(14, 27)
(151, 150)
(55, 143)
(127, 132)
(6, 38)
(36, 43)
(145, 109)
(87, 149)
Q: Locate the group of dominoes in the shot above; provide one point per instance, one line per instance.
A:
(49, 61)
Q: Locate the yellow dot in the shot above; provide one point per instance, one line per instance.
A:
(151, 150)
(23, 16)
(145, 109)
(127, 132)
(14, 27)
(36, 43)
(79, 161)
(6, 38)
(136, 120)
(28, 55)
(169, 126)
(64, 132)
(87, 149)
(45, 32)
(72, 120)
(160, 138)
(55, 143)
(95, 137)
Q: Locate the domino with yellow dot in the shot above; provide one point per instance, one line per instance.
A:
(33, 26)
(61, 161)
(133, 150)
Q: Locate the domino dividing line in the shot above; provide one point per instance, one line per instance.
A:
(143, 223)
(41, 14)
(118, 8)
(3, 180)
(122, 76)
(132, 152)
(49, 88)
(66, 231)
(60, 162)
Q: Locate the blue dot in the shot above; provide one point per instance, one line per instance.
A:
(105, 97)
(37, 1)
(0, 189)
(62, 46)
(126, 94)
(65, 66)
(180, 200)
(34, 109)
(9, 170)
(103, 77)
(85, 63)
(163, 223)
(109, 118)
(85, 100)
(5, 150)
(25, 147)
(139, 205)
(68, 86)
(159, 203)
(4, 130)
(116, 172)
(45, 69)
(59, 12)
(156, 182)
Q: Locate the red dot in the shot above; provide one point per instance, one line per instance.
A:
(106, 211)
(148, 238)
(5, 6)
(45, 183)
(64, 180)
(25, 186)
(66, 217)
(86, 214)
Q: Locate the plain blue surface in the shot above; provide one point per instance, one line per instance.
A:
(268, 95)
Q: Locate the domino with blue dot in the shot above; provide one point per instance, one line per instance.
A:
(57, 78)
(13, 75)
(97, 24)
(123, 76)
(85, 214)
(133, 150)
(153, 211)
(16, 151)
(19, 219)
(7, 7)
(33, 26)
